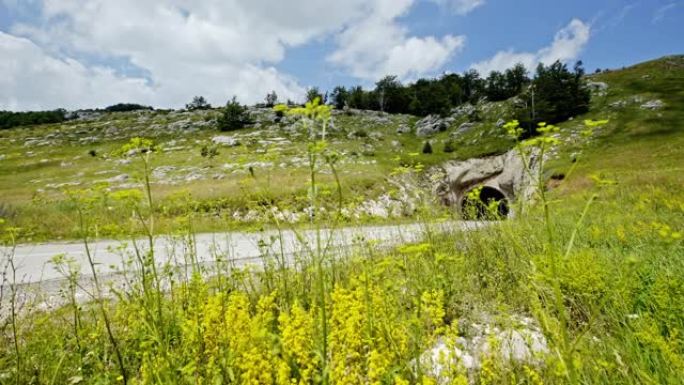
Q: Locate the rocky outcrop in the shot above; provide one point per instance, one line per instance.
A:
(505, 174)
(226, 140)
(432, 124)
(519, 340)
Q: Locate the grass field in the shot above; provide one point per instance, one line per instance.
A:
(596, 266)
(41, 164)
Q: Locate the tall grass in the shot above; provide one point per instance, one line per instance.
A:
(601, 272)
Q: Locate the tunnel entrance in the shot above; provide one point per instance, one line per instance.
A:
(486, 204)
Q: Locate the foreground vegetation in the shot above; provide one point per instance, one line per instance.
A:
(597, 263)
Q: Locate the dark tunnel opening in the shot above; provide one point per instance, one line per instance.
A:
(489, 204)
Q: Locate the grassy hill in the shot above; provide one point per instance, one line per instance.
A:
(588, 285)
(39, 164)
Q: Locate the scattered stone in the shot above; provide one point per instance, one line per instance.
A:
(463, 128)
(376, 135)
(161, 171)
(403, 129)
(193, 176)
(597, 87)
(57, 186)
(226, 140)
(118, 179)
(655, 104)
(618, 104)
(500, 123)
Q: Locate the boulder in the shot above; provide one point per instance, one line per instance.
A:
(463, 128)
(430, 125)
(519, 341)
(403, 129)
(226, 140)
(597, 87)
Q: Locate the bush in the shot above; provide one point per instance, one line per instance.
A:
(9, 119)
(271, 99)
(198, 103)
(125, 107)
(556, 95)
(234, 116)
(427, 148)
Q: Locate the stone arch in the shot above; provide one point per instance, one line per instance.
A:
(478, 209)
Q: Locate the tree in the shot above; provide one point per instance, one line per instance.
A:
(358, 98)
(9, 119)
(452, 86)
(429, 97)
(427, 147)
(391, 95)
(472, 86)
(516, 79)
(234, 116)
(555, 95)
(198, 103)
(496, 87)
(125, 107)
(339, 97)
(314, 93)
(271, 99)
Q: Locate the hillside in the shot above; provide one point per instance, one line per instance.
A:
(585, 288)
(266, 162)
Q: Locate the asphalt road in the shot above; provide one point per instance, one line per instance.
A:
(33, 261)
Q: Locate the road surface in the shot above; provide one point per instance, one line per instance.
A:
(33, 261)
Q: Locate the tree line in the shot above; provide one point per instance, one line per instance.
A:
(554, 94)
(10, 119)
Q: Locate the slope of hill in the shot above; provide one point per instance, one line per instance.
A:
(227, 191)
(586, 288)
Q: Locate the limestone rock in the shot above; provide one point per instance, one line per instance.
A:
(655, 104)
(403, 129)
(118, 179)
(519, 341)
(226, 140)
(505, 173)
(430, 125)
(597, 87)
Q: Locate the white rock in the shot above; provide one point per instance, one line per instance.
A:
(226, 140)
(118, 179)
(653, 105)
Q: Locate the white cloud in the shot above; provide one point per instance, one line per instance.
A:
(378, 45)
(31, 79)
(461, 7)
(214, 48)
(566, 46)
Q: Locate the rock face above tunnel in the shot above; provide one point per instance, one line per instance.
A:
(505, 173)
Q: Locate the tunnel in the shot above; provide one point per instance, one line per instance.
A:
(490, 204)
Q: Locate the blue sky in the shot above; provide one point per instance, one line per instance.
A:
(91, 53)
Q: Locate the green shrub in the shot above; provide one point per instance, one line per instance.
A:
(427, 148)
(234, 116)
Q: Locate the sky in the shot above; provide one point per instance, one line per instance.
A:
(93, 53)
